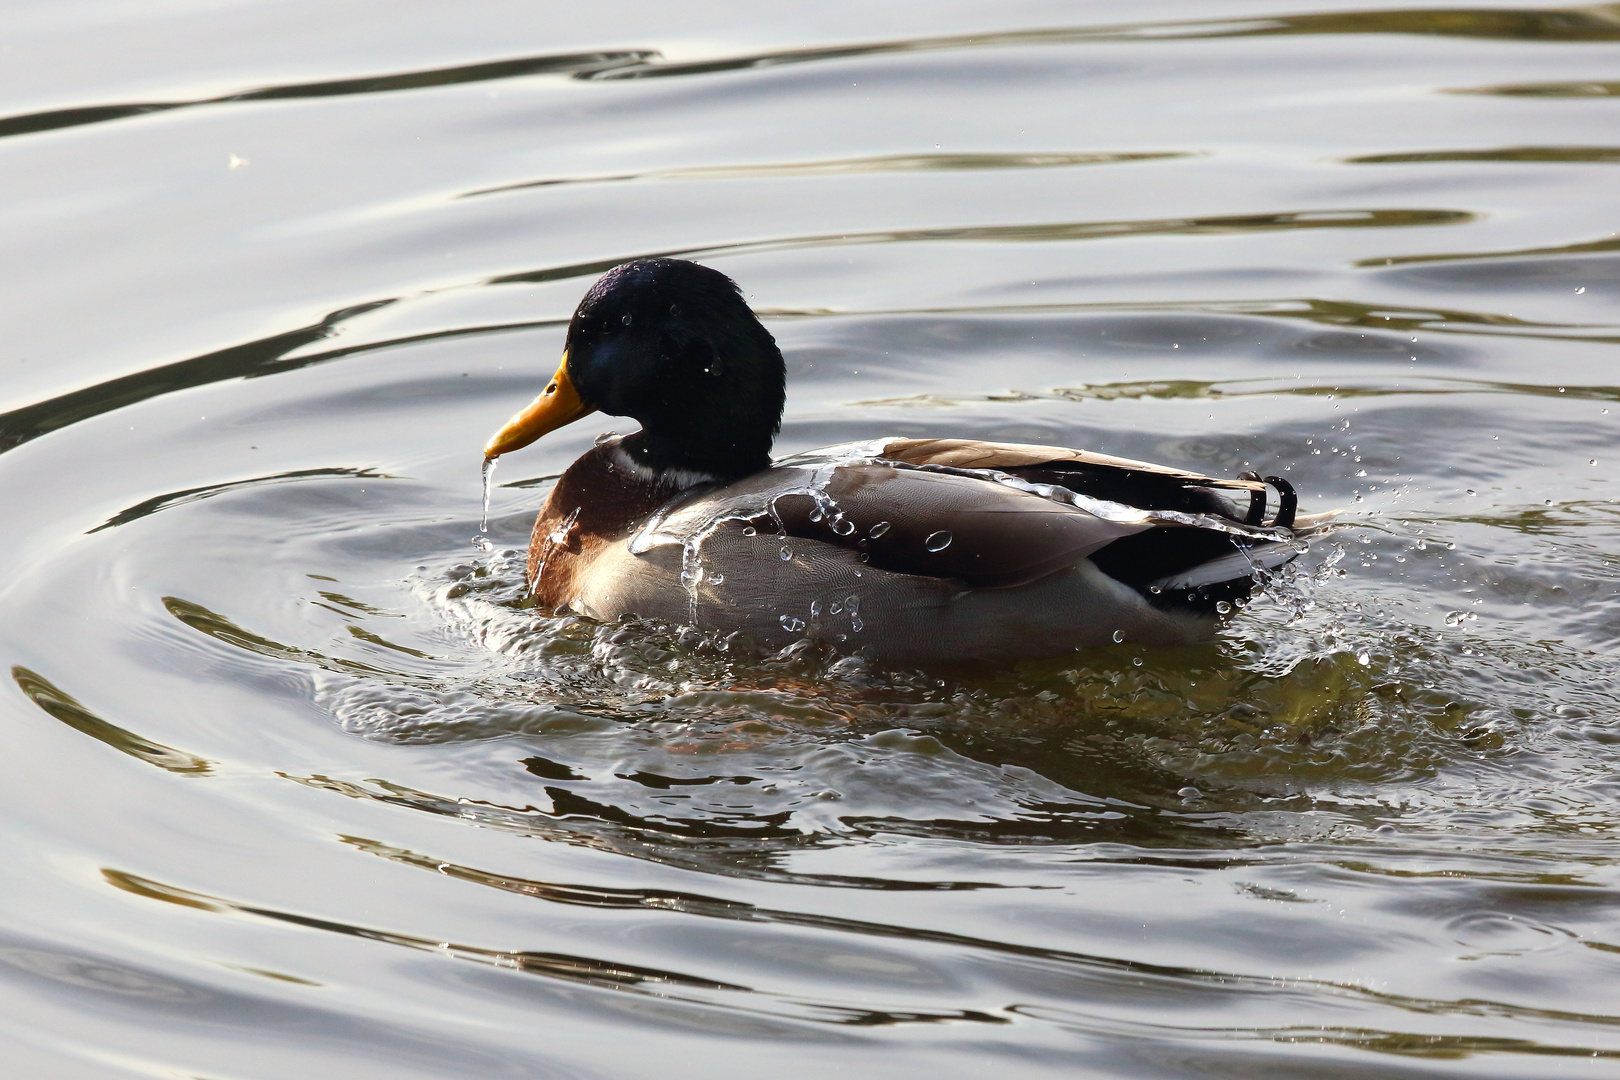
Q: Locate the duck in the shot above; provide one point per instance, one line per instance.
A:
(899, 550)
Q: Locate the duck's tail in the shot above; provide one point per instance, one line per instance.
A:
(1196, 570)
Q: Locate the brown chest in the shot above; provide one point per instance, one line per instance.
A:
(596, 504)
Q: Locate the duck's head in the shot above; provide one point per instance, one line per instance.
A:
(673, 345)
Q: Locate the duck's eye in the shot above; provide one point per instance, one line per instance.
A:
(625, 318)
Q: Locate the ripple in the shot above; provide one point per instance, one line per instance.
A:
(1528, 154)
(845, 166)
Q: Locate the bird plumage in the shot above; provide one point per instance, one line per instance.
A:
(907, 550)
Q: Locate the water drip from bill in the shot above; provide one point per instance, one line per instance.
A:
(481, 541)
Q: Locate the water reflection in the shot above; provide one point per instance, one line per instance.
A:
(30, 123)
(370, 810)
(885, 163)
(64, 707)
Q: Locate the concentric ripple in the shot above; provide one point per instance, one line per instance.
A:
(298, 783)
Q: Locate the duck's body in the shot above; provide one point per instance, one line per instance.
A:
(905, 550)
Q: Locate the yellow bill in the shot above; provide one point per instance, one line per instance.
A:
(558, 404)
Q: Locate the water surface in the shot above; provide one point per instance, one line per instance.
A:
(295, 785)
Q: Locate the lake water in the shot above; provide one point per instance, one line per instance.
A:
(293, 787)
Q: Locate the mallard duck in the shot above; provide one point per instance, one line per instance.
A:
(904, 550)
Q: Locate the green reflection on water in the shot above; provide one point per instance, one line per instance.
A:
(1384, 218)
(1547, 89)
(64, 707)
(844, 166)
(1577, 24)
(1571, 154)
(1588, 247)
(29, 123)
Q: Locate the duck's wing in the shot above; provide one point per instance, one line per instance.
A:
(966, 527)
(1099, 476)
(909, 521)
(1007, 457)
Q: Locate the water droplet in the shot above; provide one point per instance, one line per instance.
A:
(816, 514)
(1155, 589)
(879, 529)
(717, 578)
(489, 482)
(1454, 618)
(1593, 461)
(483, 543)
(1223, 607)
(1451, 545)
(843, 526)
(786, 554)
(815, 609)
(625, 318)
(1364, 658)
(791, 624)
(1136, 661)
(1471, 491)
(1580, 290)
(674, 309)
(1386, 829)
(856, 624)
(938, 541)
(835, 608)
(749, 530)
(1119, 635)
(1190, 793)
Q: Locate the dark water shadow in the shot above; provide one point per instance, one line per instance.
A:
(147, 507)
(1599, 23)
(1221, 320)
(594, 972)
(568, 63)
(1587, 247)
(847, 166)
(1576, 24)
(1040, 232)
(250, 360)
(261, 357)
(223, 630)
(1090, 977)
(1546, 89)
(268, 355)
(63, 706)
(1195, 390)
(1528, 154)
